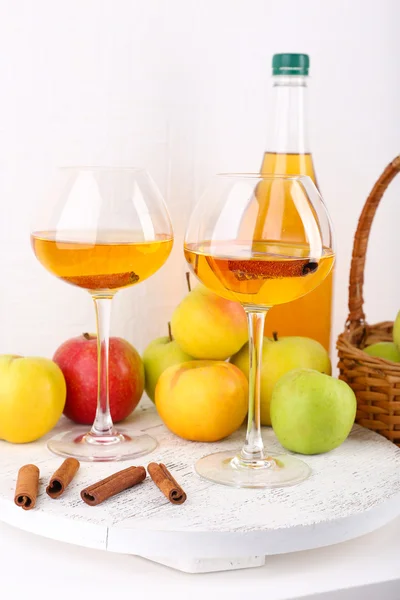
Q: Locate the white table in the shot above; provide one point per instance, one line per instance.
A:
(367, 568)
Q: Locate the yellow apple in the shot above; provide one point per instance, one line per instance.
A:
(32, 397)
(207, 326)
(202, 400)
(396, 330)
(280, 356)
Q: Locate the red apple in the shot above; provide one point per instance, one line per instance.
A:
(77, 359)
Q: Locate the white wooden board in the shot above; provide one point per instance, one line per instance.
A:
(352, 491)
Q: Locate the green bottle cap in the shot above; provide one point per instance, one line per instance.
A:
(290, 64)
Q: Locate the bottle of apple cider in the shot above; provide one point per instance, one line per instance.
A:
(288, 153)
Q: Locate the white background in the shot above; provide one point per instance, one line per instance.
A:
(182, 86)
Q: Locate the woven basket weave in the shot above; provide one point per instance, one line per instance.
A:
(375, 381)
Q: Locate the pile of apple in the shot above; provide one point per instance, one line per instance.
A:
(198, 378)
(199, 396)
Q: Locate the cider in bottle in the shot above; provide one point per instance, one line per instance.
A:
(288, 153)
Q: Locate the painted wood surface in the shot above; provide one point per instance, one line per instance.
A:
(352, 491)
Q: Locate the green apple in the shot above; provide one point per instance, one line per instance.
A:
(387, 350)
(280, 356)
(207, 326)
(160, 354)
(312, 413)
(396, 330)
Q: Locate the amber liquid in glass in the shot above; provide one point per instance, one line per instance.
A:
(97, 261)
(310, 315)
(262, 274)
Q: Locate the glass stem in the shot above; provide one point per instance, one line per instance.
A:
(253, 449)
(103, 425)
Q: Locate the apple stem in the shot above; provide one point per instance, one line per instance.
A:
(170, 332)
(188, 281)
(275, 336)
(87, 336)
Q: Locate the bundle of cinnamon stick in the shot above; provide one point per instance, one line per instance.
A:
(101, 491)
(27, 486)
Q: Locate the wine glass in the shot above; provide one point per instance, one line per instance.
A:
(261, 241)
(103, 229)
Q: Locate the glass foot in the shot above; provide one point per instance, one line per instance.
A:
(227, 468)
(79, 443)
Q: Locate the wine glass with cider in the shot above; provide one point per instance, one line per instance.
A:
(104, 230)
(261, 241)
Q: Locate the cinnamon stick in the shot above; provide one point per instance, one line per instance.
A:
(166, 483)
(109, 282)
(62, 478)
(27, 487)
(270, 269)
(102, 490)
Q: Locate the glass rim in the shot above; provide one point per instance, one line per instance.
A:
(270, 176)
(101, 168)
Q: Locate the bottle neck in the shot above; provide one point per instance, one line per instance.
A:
(288, 127)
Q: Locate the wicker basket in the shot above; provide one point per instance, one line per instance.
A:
(375, 381)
